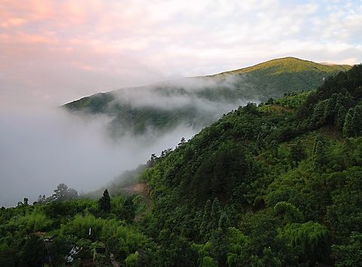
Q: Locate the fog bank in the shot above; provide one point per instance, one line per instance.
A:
(40, 148)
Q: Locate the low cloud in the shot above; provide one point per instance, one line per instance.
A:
(182, 92)
(40, 149)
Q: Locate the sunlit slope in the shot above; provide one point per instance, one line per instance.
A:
(288, 64)
(278, 76)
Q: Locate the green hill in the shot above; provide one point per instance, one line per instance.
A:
(289, 64)
(197, 102)
(273, 185)
(278, 184)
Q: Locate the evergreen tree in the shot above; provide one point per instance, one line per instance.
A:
(224, 221)
(219, 246)
(319, 153)
(348, 124)
(297, 153)
(33, 252)
(215, 208)
(330, 109)
(63, 192)
(357, 121)
(215, 214)
(129, 209)
(318, 118)
(205, 218)
(105, 202)
(341, 114)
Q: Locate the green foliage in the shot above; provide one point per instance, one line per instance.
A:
(63, 193)
(105, 202)
(207, 261)
(32, 252)
(133, 260)
(297, 153)
(350, 253)
(320, 156)
(348, 127)
(271, 170)
(288, 211)
(352, 122)
(310, 241)
(32, 222)
(277, 184)
(129, 209)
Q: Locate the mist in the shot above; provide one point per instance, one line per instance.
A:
(43, 147)
(195, 102)
(181, 92)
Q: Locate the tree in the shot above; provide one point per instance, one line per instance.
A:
(129, 209)
(42, 199)
(288, 212)
(357, 121)
(207, 261)
(341, 114)
(348, 124)
(319, 153)
(215, 215)
(205, 218)
(63, 192)
(183, 141)
(318, 118)
(33, 252)
(105, 202)
(309, 241)
(133, 260)
(224, 221)
(151, 162)
(350, 253)
(297, 153)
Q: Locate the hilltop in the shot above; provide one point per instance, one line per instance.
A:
(288, 64)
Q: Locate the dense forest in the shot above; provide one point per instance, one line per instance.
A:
(274, 184)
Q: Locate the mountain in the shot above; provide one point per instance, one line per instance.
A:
(275, 184)
(288, 65)
(197, 102)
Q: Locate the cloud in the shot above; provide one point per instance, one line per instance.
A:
(41, 148)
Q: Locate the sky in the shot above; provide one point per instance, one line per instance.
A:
(53, 51)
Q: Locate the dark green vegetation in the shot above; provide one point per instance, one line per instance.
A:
(279, 184)
(197, 102)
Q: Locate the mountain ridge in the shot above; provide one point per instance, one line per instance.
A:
(288, 61)
(198, 101)
(330, 67)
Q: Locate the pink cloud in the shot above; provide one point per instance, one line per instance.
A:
(110, 43)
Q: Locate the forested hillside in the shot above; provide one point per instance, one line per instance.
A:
(197, 102)
(275, 184)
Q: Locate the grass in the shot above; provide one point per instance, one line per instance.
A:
(288, 64)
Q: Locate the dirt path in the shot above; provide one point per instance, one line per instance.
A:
(140, 189)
